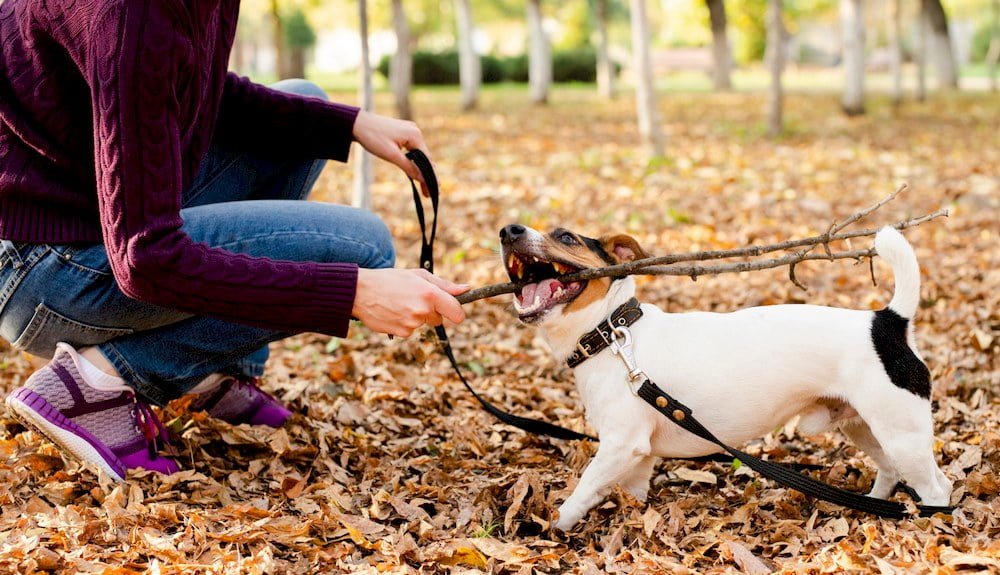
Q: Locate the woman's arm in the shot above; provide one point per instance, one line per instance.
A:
(258, 118)
(135, 69)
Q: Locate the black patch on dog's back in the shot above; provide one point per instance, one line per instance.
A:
(902, 365)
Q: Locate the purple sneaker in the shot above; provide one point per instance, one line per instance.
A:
(108, 427)
(240, 400)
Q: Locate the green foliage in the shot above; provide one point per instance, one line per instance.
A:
(981, 42)
(575, 65)
(515, 68)
(577, 25)
(298, 32)
(748, 22)
(492, 68)
(747, 18)
(441, 68)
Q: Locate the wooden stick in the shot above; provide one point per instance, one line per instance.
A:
(660, 265)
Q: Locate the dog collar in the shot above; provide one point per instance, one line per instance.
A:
(599, 338)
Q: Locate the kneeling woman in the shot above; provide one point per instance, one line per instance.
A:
(154, 237)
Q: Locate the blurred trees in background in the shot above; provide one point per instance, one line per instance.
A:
(853, 30)
(538, 42)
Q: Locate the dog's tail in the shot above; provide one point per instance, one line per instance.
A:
(893, 247)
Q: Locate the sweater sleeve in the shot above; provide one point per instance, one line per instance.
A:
(133, 75)
(260, 118)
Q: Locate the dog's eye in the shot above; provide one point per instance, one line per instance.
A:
(567, 238)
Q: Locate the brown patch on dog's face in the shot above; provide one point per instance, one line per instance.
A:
(594, 292)
(539, 259)
(621, 248)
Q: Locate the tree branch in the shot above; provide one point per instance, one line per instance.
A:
(662, 265)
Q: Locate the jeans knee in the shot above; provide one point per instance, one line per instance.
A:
(301, 87)
(385, 256)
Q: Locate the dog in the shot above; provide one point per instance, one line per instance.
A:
(742, 373)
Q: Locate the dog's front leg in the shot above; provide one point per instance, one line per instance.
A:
(614, 461)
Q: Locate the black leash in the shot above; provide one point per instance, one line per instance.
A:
(534, 426)
(680, 414)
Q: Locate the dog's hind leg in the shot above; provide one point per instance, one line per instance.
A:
(859, 432)
(901, 424)
(614, 461)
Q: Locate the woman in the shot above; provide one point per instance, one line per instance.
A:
(153, 243)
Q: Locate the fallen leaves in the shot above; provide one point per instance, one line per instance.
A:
(389, 466)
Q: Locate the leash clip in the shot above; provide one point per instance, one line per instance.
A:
(621, 345)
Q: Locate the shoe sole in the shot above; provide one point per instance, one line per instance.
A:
(32, 410)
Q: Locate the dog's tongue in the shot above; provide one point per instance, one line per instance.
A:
(542, 290)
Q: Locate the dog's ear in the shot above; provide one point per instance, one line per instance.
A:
(623, 248)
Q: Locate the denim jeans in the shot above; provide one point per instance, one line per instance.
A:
(240, 202)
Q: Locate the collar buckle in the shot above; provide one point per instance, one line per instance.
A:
(601, 337)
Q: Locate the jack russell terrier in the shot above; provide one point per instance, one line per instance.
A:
(742, 373)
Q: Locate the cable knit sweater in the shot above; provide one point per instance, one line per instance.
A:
(107, 108)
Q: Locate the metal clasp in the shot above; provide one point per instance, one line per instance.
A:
(621, 345)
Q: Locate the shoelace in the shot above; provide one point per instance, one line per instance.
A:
(151, 428)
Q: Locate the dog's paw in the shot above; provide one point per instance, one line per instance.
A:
(639, 491)
(567, 519)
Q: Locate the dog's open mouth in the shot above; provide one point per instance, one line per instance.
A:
(542, 291)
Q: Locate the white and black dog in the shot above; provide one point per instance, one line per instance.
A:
(742, 373)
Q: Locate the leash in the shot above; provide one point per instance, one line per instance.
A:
(603, 337)
(614, 334)
(533, 426)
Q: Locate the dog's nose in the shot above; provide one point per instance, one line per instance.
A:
(512, 233)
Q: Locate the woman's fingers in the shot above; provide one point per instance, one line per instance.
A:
(389, 138)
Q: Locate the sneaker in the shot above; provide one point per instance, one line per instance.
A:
(240, 400)
(106, 426)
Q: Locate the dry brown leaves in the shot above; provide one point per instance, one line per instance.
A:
(390, 467)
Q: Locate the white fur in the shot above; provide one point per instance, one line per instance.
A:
(743, 374)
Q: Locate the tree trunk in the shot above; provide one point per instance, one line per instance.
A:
(540, 57)
(278, 37)
(944, 58)
(401, 67)
(852, 27)
(721, 60)
(994, 52)
(776, 63)
(469, 69)
(895, 53)
(297, 62)
(605, 67)
(922, 37)
(645, 92)
(362, 197)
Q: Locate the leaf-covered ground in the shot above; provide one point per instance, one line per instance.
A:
(389, 466)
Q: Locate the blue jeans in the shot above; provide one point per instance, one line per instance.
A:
(240, 202)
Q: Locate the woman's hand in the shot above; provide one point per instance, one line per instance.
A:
(398, 301)
(389, 138)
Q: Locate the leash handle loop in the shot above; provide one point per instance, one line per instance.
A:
(423, 164)
(533, 426)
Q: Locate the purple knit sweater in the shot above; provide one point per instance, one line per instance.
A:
(107, 108)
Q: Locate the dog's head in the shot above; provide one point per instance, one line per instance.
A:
(536, 258)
